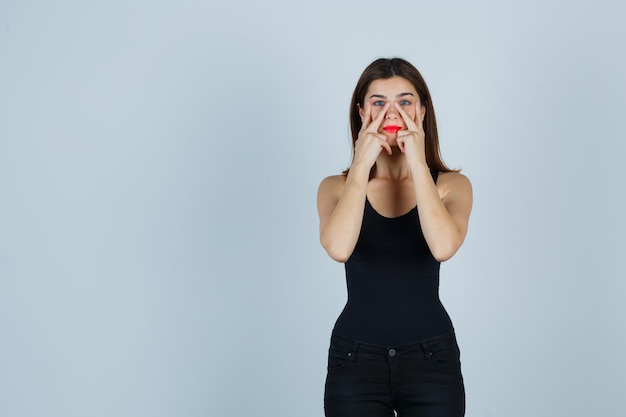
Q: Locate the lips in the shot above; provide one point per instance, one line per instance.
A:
(392, 128)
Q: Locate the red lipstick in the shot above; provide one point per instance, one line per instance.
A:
(392, 128)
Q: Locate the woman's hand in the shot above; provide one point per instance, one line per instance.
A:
(370, 143)
(412, 140)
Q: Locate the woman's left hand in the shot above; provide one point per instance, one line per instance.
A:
(412, 140)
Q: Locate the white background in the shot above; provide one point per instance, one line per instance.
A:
(159, 163)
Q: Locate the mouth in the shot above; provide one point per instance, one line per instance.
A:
(392, 128)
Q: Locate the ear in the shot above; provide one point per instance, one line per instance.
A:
(361, 112)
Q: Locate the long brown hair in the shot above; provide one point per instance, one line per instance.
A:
(384, 68)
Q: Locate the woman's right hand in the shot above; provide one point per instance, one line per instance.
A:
(370, 143)
(341, 199)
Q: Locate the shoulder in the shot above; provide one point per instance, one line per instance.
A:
(332, 185)
(329, 193)
(453, 177)
(453, 183)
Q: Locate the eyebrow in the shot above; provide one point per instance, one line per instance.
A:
(397, 96)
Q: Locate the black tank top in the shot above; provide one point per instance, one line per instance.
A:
(393, 283)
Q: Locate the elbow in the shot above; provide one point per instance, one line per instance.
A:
(336, 252)
(338, 256)
(443, 255)
(443, 252)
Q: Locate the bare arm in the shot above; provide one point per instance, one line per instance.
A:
(341, 201)
(444, 208)
(340, 204)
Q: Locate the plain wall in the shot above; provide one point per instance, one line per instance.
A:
(159, 163)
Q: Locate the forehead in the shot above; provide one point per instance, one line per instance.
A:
(390, 87)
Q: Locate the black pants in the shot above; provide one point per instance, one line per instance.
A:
(420, 379)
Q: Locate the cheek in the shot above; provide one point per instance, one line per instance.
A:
(375, 112)
(411, 112)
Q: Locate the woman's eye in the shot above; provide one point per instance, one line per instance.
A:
(405, 102)
(379, 103)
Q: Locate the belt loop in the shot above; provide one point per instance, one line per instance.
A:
(428, 354)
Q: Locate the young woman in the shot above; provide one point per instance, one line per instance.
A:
(392, 217)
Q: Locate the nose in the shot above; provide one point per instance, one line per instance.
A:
(392, 113)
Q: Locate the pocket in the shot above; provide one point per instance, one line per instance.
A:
(338, 358)
(447, 355)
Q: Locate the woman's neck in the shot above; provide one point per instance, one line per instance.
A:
(392, 167)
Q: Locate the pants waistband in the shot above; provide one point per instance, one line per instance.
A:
(425, 345)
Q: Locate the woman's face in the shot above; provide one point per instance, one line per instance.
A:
(394, 90)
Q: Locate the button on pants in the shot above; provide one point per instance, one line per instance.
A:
(421, 379)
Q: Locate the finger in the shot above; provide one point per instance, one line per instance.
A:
(387, 147)
(410, 123)
(418, 115)
(379, 118)
(400, 142)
